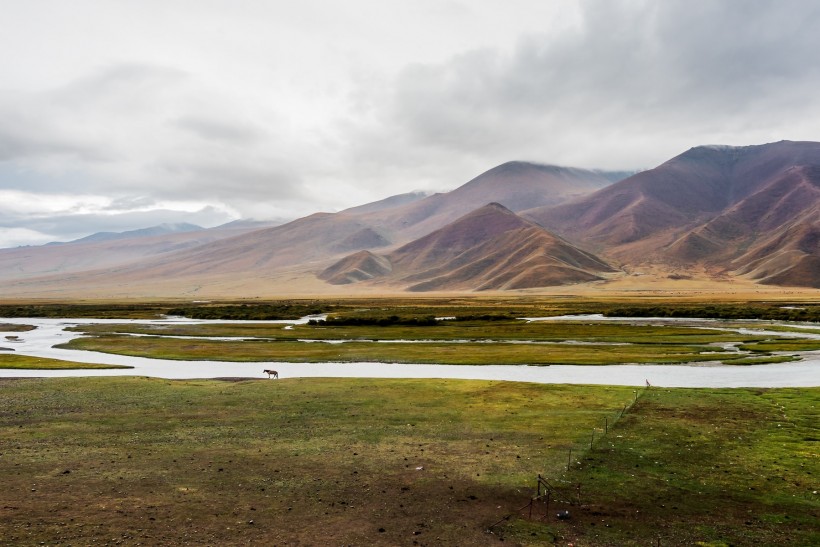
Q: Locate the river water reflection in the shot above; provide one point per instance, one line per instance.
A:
(49, 332)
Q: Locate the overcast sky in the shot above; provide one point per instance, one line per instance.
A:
(118, 114)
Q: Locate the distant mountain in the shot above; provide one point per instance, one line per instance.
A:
(325, 237)
(749, 209)
(161, 229)
(717, 212)
(107, 250)
(250, 224)
(489, 248)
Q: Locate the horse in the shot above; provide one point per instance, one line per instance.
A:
(271, 373)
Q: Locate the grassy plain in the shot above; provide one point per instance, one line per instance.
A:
(11, 361)
(319, 461)
(400, 462)
(474, 342)
(701, 467)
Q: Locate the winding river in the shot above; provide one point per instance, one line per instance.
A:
(49, 332)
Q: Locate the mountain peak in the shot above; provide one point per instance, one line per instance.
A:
(489, 248)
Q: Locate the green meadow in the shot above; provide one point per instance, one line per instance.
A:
(11, 361)
(401, 462)
(473, 342)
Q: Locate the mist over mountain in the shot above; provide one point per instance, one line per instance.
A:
(161, 229)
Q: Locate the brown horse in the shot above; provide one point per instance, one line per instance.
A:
(271, 373)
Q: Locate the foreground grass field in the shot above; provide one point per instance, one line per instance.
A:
(399, 462)
(700, 467)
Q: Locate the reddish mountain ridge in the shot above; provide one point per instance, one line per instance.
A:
(753, 210)
(516, 185)
(489, 248)
(327, 236)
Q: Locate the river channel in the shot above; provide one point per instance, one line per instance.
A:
(40, 342)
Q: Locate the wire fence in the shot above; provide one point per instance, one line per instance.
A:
(554, 497)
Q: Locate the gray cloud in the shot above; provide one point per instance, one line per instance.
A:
(220, 130)
(67, 227)
(292, 109)
(674, 67)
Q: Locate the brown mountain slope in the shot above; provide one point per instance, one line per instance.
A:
(387, 203)
(790, 257)
(299, 242)
(489, 248)
(318, 239)
(789, 200)
(686, 191)
(356, 267)
(517, 185)
(714, 205)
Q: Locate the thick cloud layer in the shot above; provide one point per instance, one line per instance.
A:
(115, 115)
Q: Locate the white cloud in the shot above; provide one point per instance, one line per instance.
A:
(281, 109)
(16, 237)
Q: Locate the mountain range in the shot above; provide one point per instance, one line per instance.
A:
(750, 212)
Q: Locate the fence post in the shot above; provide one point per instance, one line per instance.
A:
(547, 510)
(606, 425)
(592, 440)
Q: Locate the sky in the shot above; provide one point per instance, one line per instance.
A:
(123, 114)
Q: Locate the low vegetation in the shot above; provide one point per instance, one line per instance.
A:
(477, 353)
(462, 308)
(393, 462)
(254, 312)
(699, 467)
(11, 361)
(475, 342)
(318, 461)
(11, 327)
(102, 310)
(767, 311)
(766, 346)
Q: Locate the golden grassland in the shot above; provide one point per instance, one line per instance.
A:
(644, 283)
